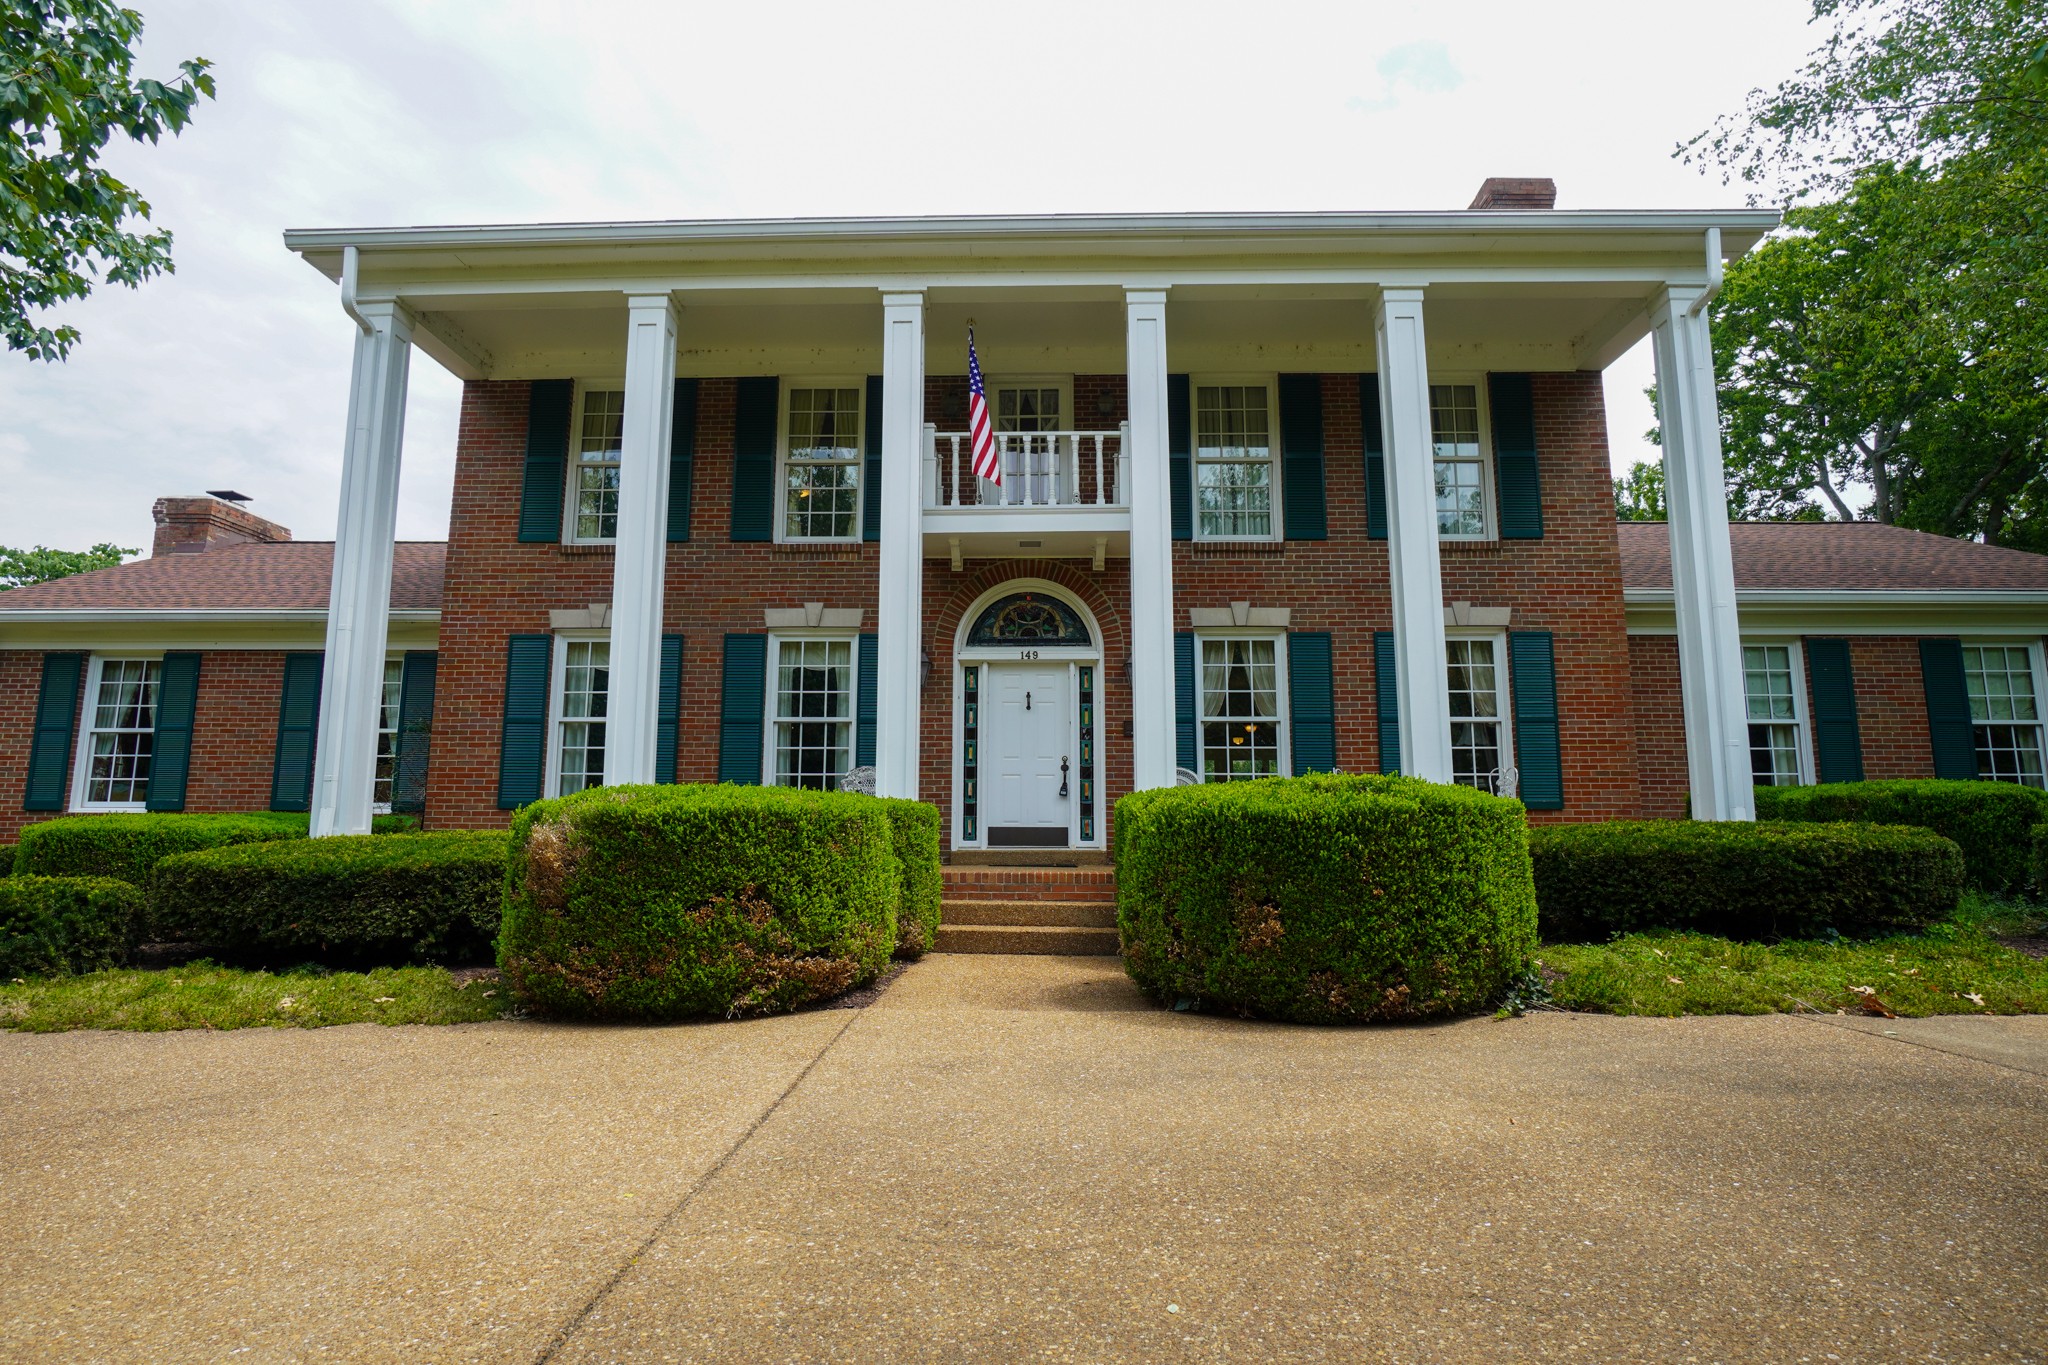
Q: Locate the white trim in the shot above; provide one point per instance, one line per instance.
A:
(571, 476)
(1282, 700)
(859, 384)
(771, 694)
(1802, 716)
(1275, 452)
(558, 664)
(82, 732)
(1488, 485)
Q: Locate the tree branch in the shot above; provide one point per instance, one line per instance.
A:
(1969, 499)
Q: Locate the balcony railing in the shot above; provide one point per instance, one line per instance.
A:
(1040, 469)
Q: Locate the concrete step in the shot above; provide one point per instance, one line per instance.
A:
(1029, 883)
(1026, 938)
(1028, 857)
(1048, 914)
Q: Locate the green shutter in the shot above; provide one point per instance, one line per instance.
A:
(298, 725)
(1180, 455)
(1186, 749)
(416, 677)
(742, 703)
(864, 704)
(1533, 661)
(668, 708)
(753, 458)
(49, 755)
(1520, 485)
(1301, 457)
(871, 488)
(1387, 691)
(547, 460)
(1311, 702)
(1948, 708)
(682, 459)
(523, 742)
(1837, 740)
(1374, 436)
(170, 750)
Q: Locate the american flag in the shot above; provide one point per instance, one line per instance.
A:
(981, 431)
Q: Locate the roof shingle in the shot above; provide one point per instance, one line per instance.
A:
(1836, 556)
(287, 575)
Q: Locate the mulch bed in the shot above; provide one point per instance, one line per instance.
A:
(2033, 945)
(868, 994)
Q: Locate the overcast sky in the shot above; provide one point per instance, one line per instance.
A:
(233, 373)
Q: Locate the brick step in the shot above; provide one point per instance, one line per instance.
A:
(1030, 883)
(1026, 938)
(1045, 914)
(1028, 857)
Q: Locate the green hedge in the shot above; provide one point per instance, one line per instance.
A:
(381, 900)
(1740, 880)
(126, 846)
(915, 826)
(1325, 899)
(2039, 860)
(676, 902)
(1992, 822)
(50, 926)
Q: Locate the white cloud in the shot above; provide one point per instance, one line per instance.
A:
(1423, 67)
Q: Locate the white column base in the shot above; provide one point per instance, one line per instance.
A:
(640, 555)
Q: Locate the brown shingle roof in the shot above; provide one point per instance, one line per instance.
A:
(286, 576)
(1834, 556)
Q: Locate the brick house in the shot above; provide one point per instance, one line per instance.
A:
(1279, 493)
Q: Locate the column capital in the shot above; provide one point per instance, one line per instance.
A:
(651, 302)
(1673, 301)
(1145, 296)
(1397, 294)
(387, 315)
(903, 298)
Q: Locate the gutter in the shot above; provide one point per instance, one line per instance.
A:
(73, 616)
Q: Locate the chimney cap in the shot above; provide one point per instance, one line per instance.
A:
(1515, 194)
(227, 495)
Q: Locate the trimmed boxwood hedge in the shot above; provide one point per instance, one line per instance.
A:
(1992, 822)
(126, 845)
(369, 899)
(1738, 880)
(915, 825)
(678, 902)
(50, 926)
(1325, 899)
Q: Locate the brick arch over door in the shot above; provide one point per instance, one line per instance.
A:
(948, 598)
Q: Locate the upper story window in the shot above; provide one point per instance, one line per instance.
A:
(1031, 468)
(1770, 687)
(811, 713)
(1479, 739)
(1240, 680)
(594, 492)
(582, 691)
(822, 464)
(1233, 462)
(120, 733)
(2005, 712)
(1461, 471)
(387, 735)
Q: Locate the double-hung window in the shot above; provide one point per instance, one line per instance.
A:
(120, 733)
(582, 698)
(1771, 700)
(1240, 680)
(810, 713)
(2005, 712)
(1234, 442)
(821, 468)
(1479, 737)
(387, 735)
(1461, 491)
(1031, 471)
(594, 492)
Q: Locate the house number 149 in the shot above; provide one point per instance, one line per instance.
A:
(1027, 653)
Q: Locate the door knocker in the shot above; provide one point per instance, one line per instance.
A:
(1063, 776)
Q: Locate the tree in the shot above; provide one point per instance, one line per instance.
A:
(67, 85)
(18, 568)
(1639, 494)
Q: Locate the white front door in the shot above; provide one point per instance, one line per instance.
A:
(1027, 755)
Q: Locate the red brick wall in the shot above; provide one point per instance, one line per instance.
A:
(21, 674)
(1891, 706)
(1660, 725)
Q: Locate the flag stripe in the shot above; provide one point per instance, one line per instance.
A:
(981, 432)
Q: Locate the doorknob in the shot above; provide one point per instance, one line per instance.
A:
(1027, 701)
(1063, 775)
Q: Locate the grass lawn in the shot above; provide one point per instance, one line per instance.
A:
(205, 995)
(1958, 967)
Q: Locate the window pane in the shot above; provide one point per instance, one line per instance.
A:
(1240, 710)
(387, 732)
(1774, 755)
(2009, 753)
(1767, 682)
(1233, 460)
(598, 440)
(821, 478)
(122, 732)
(813, 712)
(586, 686)
(1474, 686)
(2000, 679)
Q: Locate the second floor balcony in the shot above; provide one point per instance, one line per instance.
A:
(1060, 493)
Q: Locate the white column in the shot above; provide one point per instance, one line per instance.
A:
(359, 597)
(1702, 572)
(640, 555)
(899, 614)
(1415, 571)
(1151, 497)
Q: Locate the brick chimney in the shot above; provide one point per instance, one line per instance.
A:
(1514, 194)
(187, 526)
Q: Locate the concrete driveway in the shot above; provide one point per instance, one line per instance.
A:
(1016, 1158)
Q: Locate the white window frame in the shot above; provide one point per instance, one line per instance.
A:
(1488, 497)
(1281, 701)
(1276, 445)
(2034, 666)
(397, 724)
(572, 476)
(81, 739)
(1503, 690)
(558, 670)
(859, 384)
(1802, 719)
(771, 691)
